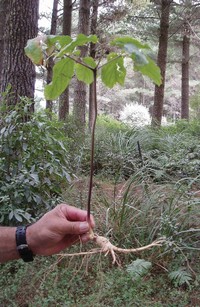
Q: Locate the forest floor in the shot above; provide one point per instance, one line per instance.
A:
(92, 280)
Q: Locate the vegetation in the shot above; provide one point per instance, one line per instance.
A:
(146, 180)
(136, 199)
(34, 163)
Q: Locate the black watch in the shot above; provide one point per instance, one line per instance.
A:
(22, 246)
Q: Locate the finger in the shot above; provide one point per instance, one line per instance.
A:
(75, 228)
(85, 237)
(75, 214)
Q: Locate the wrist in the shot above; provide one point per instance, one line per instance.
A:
(32, 240)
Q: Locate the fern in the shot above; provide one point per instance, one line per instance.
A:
(180, 277)
(138, 268)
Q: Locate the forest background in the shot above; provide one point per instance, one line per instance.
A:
(146, 161)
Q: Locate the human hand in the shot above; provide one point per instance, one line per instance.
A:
(58, 229)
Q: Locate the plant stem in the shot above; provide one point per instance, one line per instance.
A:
(92, 146)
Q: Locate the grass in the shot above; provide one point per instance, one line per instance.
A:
(139, 213)
(88, 283)
(133, 204)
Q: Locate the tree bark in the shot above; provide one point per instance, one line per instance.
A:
(49, 103)
(3, 12)
(67, 24)
(161, 61)
(18, 71)
(185, 78)
(80, 92)
(93, 27)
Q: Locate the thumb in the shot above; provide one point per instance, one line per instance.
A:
(76, 228)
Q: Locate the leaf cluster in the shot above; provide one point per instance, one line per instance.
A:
(68, 61)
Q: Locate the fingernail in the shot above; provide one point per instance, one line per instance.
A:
(84, 227)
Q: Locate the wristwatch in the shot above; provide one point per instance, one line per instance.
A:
(22, 246)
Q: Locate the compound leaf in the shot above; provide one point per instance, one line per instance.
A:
(138, 268)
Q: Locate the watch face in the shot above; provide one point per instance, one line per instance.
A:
(22, 246)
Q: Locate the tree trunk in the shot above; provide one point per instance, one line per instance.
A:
(67, 24)
(80, 92)
(94, 16)
(185, 78)
(161, 61)
(49, 103)
(3, 12)
(18, 71)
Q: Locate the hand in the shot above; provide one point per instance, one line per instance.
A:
(58, 229)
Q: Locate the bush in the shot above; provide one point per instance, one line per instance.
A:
(135, 115)
(33, 163)
(109, 124)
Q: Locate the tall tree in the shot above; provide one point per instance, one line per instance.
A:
(185, 75)
(18, 71)
(67, 25)
(49, 103)
(161, 61)
(3, 12)
(80, 92)
(190, 17)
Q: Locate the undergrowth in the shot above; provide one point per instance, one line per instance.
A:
(146, 186)
(88, 282)
(164, 154)
(34, 164)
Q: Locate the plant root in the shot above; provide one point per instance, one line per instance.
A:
(106, 247)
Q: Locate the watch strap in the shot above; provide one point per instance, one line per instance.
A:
(22, 246)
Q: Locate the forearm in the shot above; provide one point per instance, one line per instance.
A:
(8, 250)
(56, 230)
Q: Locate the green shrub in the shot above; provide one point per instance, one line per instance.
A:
(109, 124)
(33, 163)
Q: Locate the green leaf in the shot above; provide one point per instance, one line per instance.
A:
(113, 71)
(80, 40)
(180, 277)
(17, 216)
(89, 61)
(83, 39)
(58, 40)
(33, 49)
(10, 216)
(35, 177)
(150, 70)
(42, 45)
(142, 62)
(137, 56)
(127, 41)
(84, 74)
(25, 146)
(138, 268)
(62, 75)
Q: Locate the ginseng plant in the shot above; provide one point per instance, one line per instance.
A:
(66, 54)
